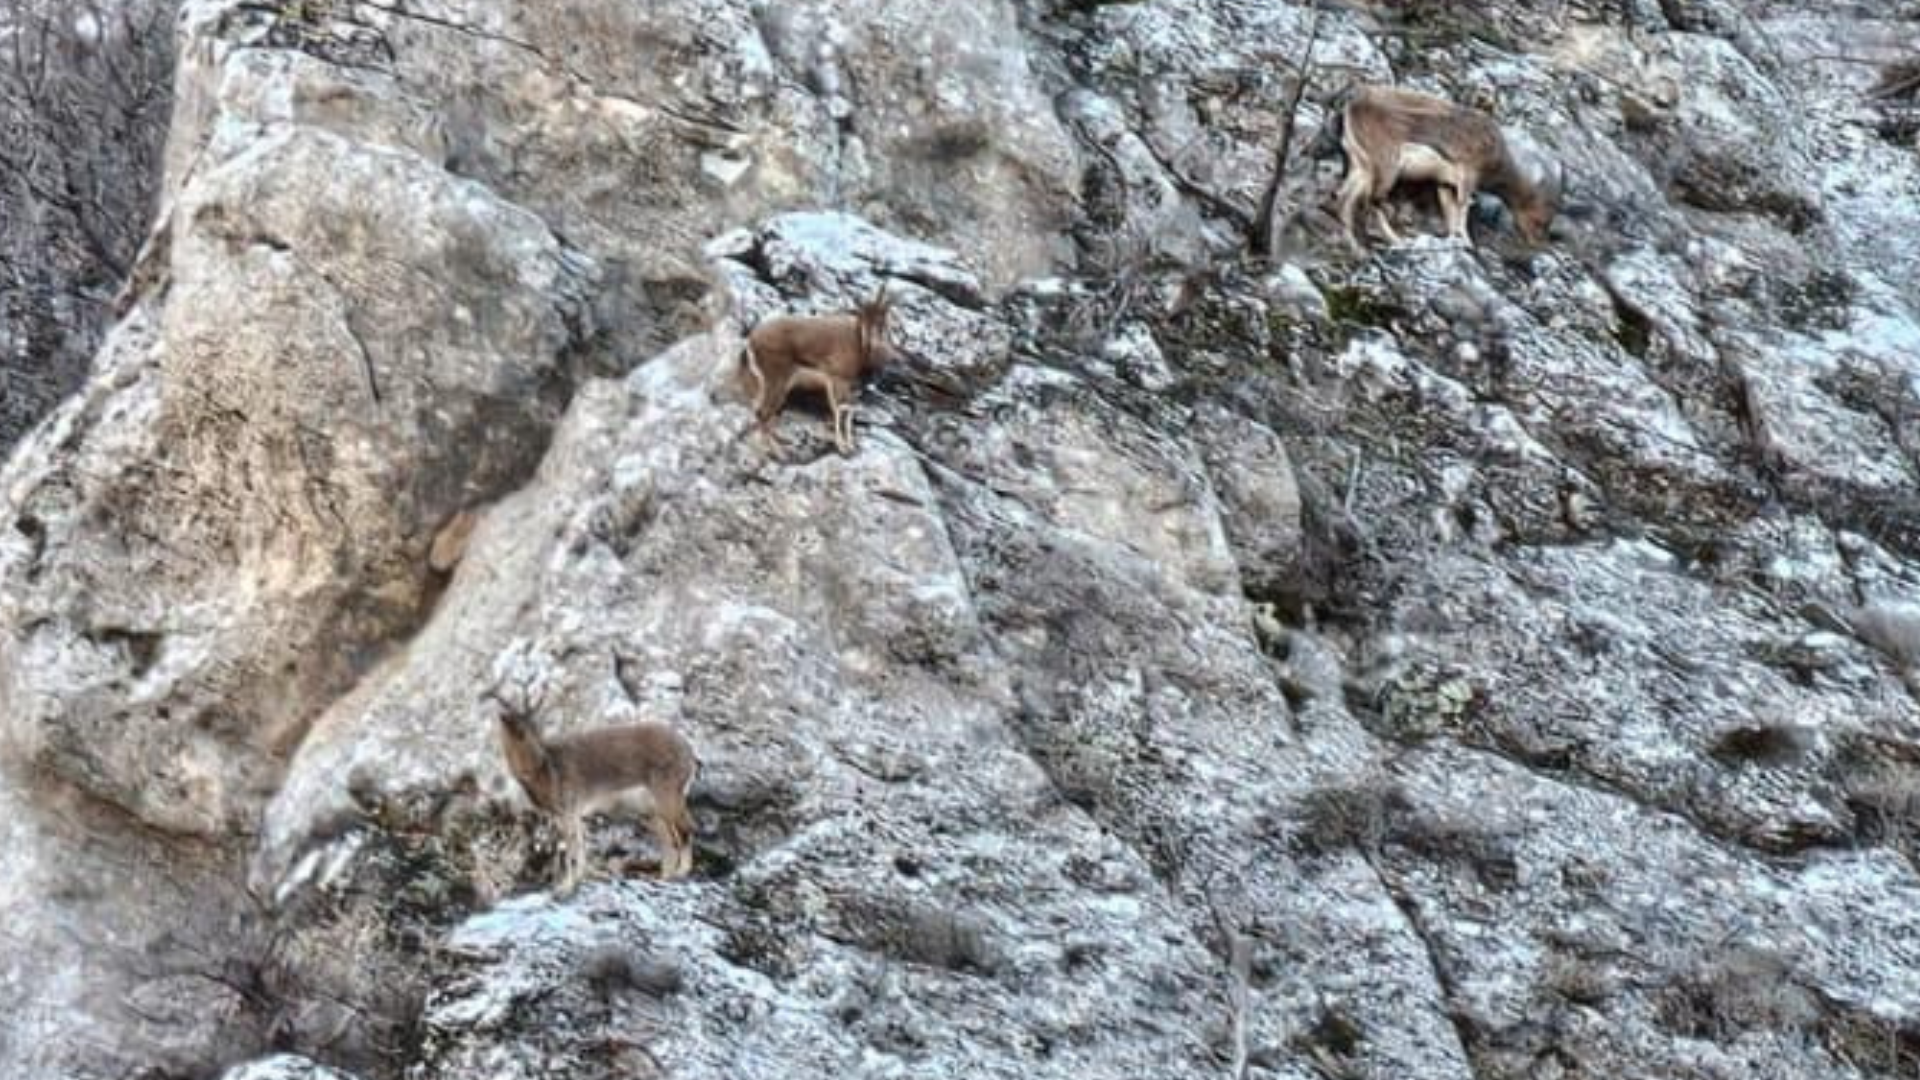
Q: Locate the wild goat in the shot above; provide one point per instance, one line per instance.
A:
(640, 769)
(1390, 135)
(829, 353)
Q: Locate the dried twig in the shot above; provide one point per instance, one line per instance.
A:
(1239, 957)
(1263, 230)
(1896, 80)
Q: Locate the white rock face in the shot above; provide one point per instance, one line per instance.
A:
(352, 347)
(283, 1067)
(1510, 654)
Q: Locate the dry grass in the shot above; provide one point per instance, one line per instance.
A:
(1900, 79)
(1771, 744)
(1578, 981)
(1376, 814)
(1740, 991)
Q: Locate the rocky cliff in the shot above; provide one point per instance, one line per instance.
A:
(1439, 662)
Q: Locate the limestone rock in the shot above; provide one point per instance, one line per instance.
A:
(283, 1067)
(353, 347)
(1507, 651)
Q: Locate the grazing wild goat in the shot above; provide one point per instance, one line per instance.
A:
(829, 353)
(639, 769)
(1390, 135)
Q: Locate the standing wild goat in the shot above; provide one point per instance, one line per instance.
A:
(1389, 135)
(640, 769)
(829, 353)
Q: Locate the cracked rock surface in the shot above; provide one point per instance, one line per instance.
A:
(1444, 662)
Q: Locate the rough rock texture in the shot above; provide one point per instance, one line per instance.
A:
(1442, 663)
(352, 348)
(84, 115)
(283, 1067)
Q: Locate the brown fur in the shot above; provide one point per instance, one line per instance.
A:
(1390, 135)
(828, 353)
(641, 769)
(450, 543)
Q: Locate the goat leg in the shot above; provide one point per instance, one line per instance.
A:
(846, 423)
(1383, 182)
(764, 426)
(1386, 226)
(837, 407)
(1453, 206)
(573, 859)
(669, 845)
(750, 362)
(847, 418)
(771, 402)
(1352, 191)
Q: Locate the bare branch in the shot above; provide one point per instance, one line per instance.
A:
(1238, 952)
(1263, 229)
(84, 93)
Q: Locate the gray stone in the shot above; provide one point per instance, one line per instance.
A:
(283, 1067)
(1509, 652)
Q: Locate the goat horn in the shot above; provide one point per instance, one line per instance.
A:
(880, 295)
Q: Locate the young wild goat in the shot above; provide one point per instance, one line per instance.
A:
(829, 353)
(1390, 135)
(640, 769)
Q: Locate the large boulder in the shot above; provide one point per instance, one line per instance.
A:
(220, 533)
(1439, 662)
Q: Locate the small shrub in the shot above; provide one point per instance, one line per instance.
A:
(1377, 814)
(1577, 981)
(1333, 1041)
(1820, 301)
(1425, 700)
(1354, 307)
(1873, 1045)
(1348, 817)
(1883, 793)
(1745, 990)
(1760, 744)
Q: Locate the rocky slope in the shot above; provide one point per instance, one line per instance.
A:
(1439, 663)
(84, 96)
